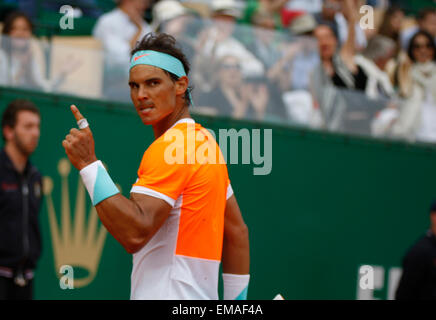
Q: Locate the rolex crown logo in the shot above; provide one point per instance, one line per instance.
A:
(78, 242)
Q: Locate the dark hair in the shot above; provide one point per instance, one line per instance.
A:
(165, 43)
(7, 47)
(9, 21)
(385, 27)
(422, 14)
(332, 28)
(9, 117)
(429, 38)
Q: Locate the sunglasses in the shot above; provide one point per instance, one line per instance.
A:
(421, 45)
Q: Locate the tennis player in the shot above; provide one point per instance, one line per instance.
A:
(182, 217)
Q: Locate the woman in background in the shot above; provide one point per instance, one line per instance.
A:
(18, 65)
(418, 117)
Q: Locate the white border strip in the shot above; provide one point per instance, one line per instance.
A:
(229, 192)
(152, 193)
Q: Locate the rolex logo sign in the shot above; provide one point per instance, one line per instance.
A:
(77, 240)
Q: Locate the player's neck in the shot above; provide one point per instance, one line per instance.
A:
(163, 125)
(18, 158)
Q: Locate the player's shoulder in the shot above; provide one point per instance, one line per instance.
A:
(174, 139)
(182, 139)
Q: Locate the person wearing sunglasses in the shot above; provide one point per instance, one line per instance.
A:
(418, 120)
(422, 51)
(229, 95)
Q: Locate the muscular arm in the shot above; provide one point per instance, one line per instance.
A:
(132, 222)
(236, 250)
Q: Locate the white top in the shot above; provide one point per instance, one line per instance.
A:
(427, 130)
(115, 30)
(11, 74)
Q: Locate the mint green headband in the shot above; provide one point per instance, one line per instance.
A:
(160, 60)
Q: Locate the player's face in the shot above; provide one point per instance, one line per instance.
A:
(153, 93)
(25, 134)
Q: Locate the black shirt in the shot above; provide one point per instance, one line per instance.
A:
(418, 281)
(218, 100)
(20, 201)
(360, 80)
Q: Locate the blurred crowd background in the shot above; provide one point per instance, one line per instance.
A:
(351, 66)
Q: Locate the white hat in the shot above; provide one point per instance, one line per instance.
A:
(226, 7)
(302, 24)
(168, 9)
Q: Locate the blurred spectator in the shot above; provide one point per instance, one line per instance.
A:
(342, 110)
(418, 280)
(118, 31)
(217, 41)
(379, 88)
(229, 95)
(418, 117)
(121, 28)
(18, 65)
(303, 25)
(266, 43)
(373, 61)
(399, 66)
(300, 57)
(292, 73)
(338, 63)
(426, 20)
(391, 24)
(235, 97)
(332, 15)
(20, 201)
(268, 9)
(170, 16)
(422, 51)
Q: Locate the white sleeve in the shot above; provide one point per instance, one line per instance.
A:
(3, 68)
(229, 192)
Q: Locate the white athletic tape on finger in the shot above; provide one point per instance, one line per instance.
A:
(82, 123)
(98, 182)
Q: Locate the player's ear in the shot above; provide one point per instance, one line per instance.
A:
(182, 85)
